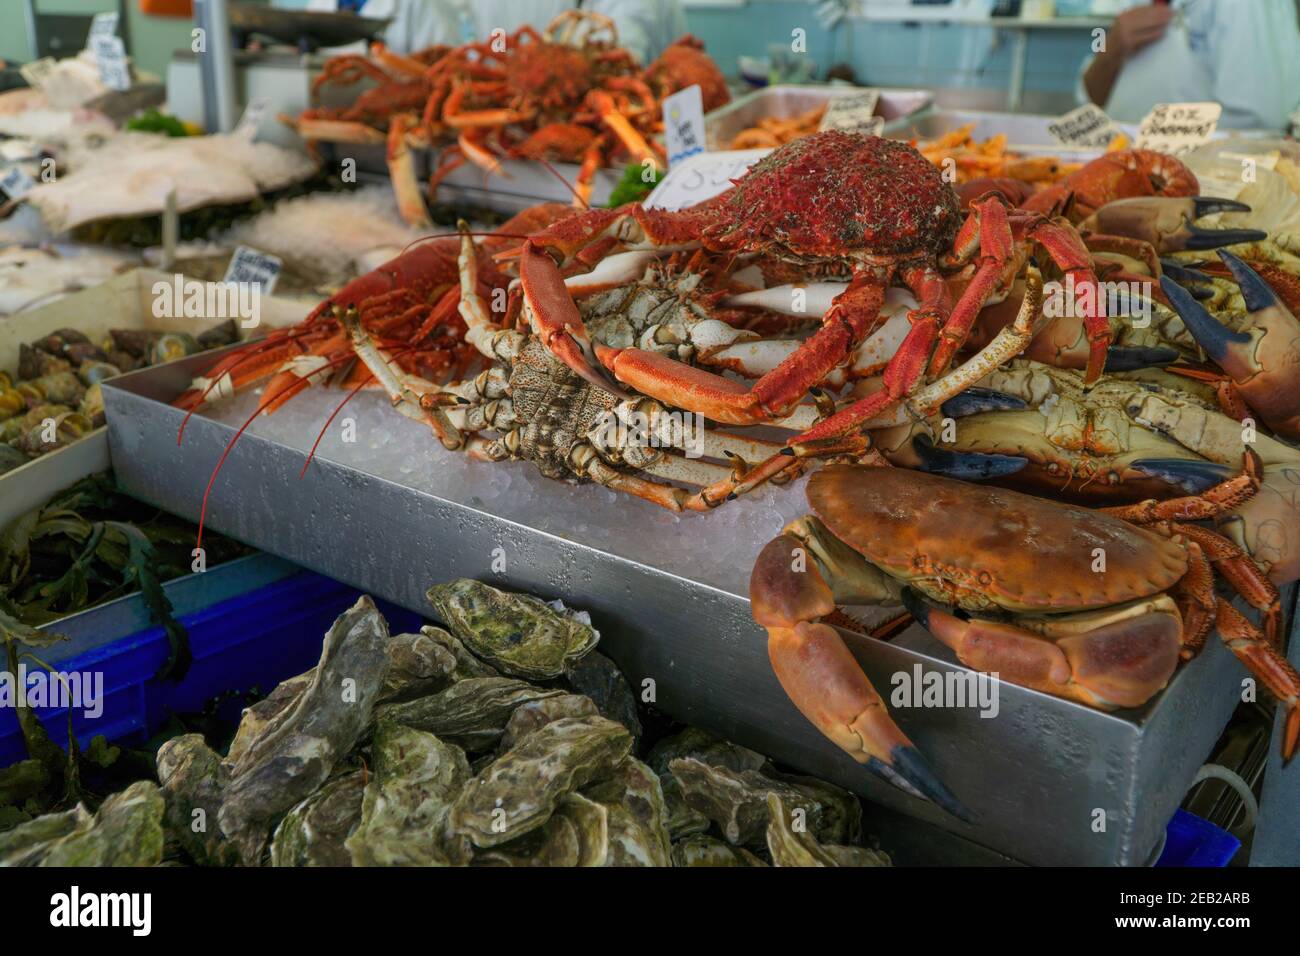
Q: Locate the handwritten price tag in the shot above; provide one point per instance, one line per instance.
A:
(1178, 127)
(701, 177)
(684, 124)
(15, 183)
(102, 24)
(110, 56)
(252, 267)
(1088, 126)
(854, 113)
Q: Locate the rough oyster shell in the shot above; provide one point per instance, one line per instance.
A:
(533, 714)
(521, 788)
(313, 833)
(638, 833)
(298, 748)
(599, 678)
(701, 850)
(127, 830)
(253, 722)
(792, 847)
(737, 801)
(517, 633)
(705, 746)
(576, 834)
(417, 665)
(193, 779)
(471, 713)
(406, 804)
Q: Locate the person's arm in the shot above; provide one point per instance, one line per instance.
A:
(1131, 31)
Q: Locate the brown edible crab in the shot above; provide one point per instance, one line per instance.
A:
(1087, 605)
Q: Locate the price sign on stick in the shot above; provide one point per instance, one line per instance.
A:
(254, 268)
(1178, 127)
(110, 56)
(684, 124)
(854, 113)
(252, 118)
(701, 177)
(1088, 126)
(102, 24)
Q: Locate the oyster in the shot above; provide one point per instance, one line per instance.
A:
(253, 722)
(638, 833)
(313, 832)
(471, 713)
(576, 834)
(793, 846)
(28, 843)
(517, 633)
(404, 812)
(298, 748)
(704, 746)
(701, 850)
(417, 665)
(521, 788)
(529, 716)
(126, 831)
(599, 678)
(736, 800)
(193, 777)
(467, 665)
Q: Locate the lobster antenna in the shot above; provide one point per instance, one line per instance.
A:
(366, 380)
(261, 406)
(567, 185)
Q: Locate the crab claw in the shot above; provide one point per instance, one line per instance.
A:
(818, 672)
(964, 465)
(1126, 358)
(1190, 475)
(556, 321)
(1169, 224)
(1260, 359)
(975, 400)
(1195, 281)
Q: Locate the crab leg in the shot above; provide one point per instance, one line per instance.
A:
(1266, 662)
(790, 595)
(401, 171)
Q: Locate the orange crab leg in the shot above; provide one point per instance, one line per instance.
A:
(1267, 663)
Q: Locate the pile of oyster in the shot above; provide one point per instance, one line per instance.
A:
(505, 740)
(59, 377)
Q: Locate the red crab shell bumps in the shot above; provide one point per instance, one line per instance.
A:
(840, 195)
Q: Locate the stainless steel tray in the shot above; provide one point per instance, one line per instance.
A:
(724, 123)
(1038, 775)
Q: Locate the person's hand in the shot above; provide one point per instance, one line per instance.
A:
(1133, 29)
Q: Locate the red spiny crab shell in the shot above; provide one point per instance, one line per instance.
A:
(840, 195)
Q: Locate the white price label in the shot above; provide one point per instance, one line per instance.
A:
(16, 150)
(37, 72)
(15, 183)
(252, 267)
(252, 118)
(684, 124)
(701, 177)
(854, 113)
(110, 55)
(1088, 126)
(102, 24)
(1177, 127)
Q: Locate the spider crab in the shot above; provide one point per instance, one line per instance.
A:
(1029, 603)
(870, 207)
(572, 76)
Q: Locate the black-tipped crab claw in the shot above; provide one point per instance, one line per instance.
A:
(1169, 224)
(1261, 356)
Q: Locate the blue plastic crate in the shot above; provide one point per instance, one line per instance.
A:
(257, 639)
(1193, 841)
